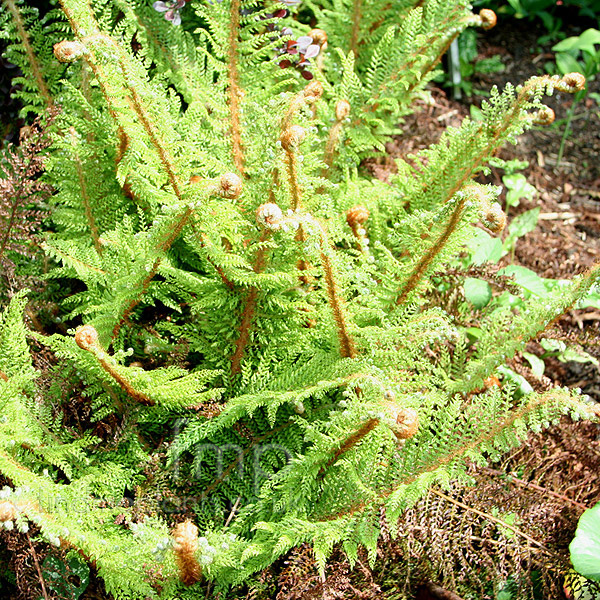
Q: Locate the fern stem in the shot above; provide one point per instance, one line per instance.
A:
(31, 57)
(249, 309)
(347, 346)
(529, 484)
(122, 381)
(13, 215)
(148, 125)
(86, 338)
(16, 205)
(355, 34)
(242, 341)
(422, 50)
(185, 548)
(70, 258)
(344, 381)
(295, 190)
(330, 147)
(274, 186)
(422, 266)
(36, 562)
(207, 244)
(496, 139)
(165, 50)
(234, 88)
(86, 34)
(476, 442)
(291, 161)
(163, 246)
(350, 442)
(86, 201)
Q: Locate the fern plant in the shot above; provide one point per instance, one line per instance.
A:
(247, 316)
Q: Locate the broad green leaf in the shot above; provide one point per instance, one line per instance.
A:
(485, 248)
(477, 292)
(517, 188)
(523, 386)
(566, 353)
(524, 223)
(585, 547)
(536, 363)
(526, 278)
(577, 355)
(553, 345)
(584, 42)
(591, 300)
(567, 63)
(519, 226)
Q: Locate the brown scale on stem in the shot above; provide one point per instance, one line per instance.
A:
(350, 442)
(139, 108)
(421, 267)
(356, 217)
(308, 96)
(291, 138)
(355, 33)
(235, 91)
(86, 338)
(251, 299)
(185, 546)
(30, 52)
(342, 111)
(347, 346)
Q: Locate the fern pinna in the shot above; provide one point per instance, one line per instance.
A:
(246, 306)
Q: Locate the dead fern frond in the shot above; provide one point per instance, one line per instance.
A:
(22, 194)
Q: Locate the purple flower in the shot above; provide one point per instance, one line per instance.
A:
(304, 49)
(171, 9)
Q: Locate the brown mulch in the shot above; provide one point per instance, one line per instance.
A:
(566, 241)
